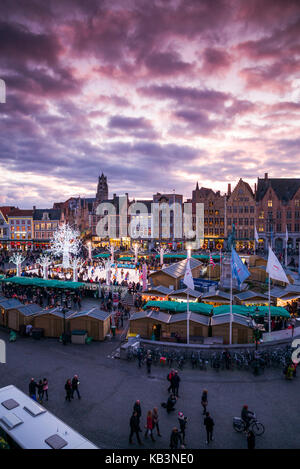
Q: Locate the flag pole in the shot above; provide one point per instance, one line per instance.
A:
(269, 294)
(230, 329)
(188, 319)
(286, 248)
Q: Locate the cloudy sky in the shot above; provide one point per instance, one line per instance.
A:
(156, 94)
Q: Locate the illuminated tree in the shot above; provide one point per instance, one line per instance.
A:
(64, 243)
(17, 258)
(44, 260)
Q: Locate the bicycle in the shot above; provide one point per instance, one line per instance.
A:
(255, 426)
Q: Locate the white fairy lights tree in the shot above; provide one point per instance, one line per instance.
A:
(17, 258)
(64, 243)
(45, 261)
(161, 251)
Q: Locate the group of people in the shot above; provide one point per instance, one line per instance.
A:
(37, 390)
(72, 386)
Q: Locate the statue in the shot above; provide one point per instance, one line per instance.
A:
(231, 239)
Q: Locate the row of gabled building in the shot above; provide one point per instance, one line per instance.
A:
(272, 207)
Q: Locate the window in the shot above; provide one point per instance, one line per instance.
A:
(240, 209)
(297, 214)
(297, 203)
(252, 221)
(261, 228)
(251, 209)
(289, 226)
(278, 214)
(217, 212)
(246, 221)
(229, 221)
(261, 214)
(246, 209)
(289, 214)
(297, 227)
(241, 221)
(270, 203)
(278, 227)
(246, 234)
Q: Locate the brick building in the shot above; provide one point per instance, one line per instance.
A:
(214, 216)
(278, 209)
(240, 212)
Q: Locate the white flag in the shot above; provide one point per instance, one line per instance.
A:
(286, 235)
(188, 277)
(255, 234)
(275, 269)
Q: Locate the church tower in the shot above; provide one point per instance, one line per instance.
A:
(102, 189)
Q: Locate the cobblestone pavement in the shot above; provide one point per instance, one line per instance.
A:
(110, 387)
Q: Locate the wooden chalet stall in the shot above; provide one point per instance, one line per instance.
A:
(23, 316)
(95, 321)
(157, 325)
(171, 275)
(52, 322)
(242, 333)
(8, 306)
(182, 294)
(286, 296)
(156, 293)
(250, 298)
(216, 298)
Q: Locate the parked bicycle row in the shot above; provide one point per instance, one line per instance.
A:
(256, 361)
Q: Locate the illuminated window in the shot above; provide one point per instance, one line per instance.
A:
(270, 203)
(261, 214)
(297, 203)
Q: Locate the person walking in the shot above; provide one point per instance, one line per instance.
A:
(138, 410)
(149, 362)
(251, 440)
(155, 418)
(134, 428)
(32, 389)
(149, 425)
(75, 384)
(45, 388)
(175, 380)
(175, 439)
(68, 389)
(169, 378)
(204, 401)
(182, 424)
(209, 425)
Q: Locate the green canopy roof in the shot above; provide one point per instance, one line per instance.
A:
(40, 282)
(101, 255)
(177, 307)
(251, 310)
(184, 256)
(126, 258)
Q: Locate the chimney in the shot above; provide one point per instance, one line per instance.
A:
(266, 176)
(34, 207)
(229, 190)
(255, 188)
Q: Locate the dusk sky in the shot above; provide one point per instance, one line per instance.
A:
(156, 94)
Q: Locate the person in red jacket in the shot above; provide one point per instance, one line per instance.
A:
(149, 425)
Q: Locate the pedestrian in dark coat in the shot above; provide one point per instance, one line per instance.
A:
(134, 428)
(149, 362)
(68, 389)
(175, 439)
(32, 389)
(175, 380)
(209, 425)
(138, 410)
(75, 383)
(169, 378)
(182, 420)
